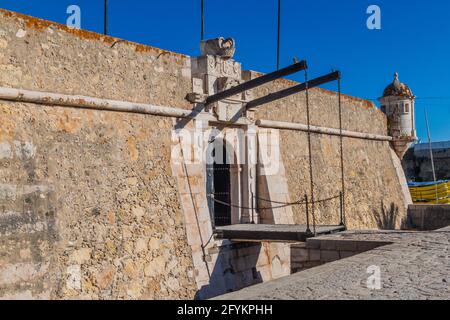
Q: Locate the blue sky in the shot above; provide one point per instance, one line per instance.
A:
(414, 39)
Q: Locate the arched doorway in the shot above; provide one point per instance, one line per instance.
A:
(218, 187)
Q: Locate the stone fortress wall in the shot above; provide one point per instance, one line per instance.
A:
(91, 206)
(372, 169)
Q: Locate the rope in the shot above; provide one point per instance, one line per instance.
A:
(298, 202)
(209, 241)
(310, 151)
(328, 199)
(278, 202)
(282, 204)
(245, 208)
(341, 138)
(228, 204)
(203, 246)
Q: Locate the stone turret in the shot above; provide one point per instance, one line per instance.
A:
(397, 103)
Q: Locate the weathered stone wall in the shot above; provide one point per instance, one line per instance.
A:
(88, 204)
(318, 251)
(374, 196)
(397, 255)
(222, 265)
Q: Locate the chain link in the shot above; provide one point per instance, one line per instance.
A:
(282, 204)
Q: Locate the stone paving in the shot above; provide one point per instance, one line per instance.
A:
(413, 265)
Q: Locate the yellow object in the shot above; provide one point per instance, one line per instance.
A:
(431, 188)
(440, 201)
(427, 194)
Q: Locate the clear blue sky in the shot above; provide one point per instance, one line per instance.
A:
(414, 40)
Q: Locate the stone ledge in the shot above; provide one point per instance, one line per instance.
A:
(346, 278)
(326, 249)
(429, 217)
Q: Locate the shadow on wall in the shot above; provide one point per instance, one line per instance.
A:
(235, 268)
(264, 209)
(387, 218)
(266, 214)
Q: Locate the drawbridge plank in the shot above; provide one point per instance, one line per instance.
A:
(275, 233)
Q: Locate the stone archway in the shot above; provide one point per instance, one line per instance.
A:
(218, 185)
(222, 183)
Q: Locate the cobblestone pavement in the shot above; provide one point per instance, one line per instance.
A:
(415, 265)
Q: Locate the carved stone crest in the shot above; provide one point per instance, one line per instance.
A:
(221, 47)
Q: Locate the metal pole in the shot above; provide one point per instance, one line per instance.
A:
(105, 27)
(320, 130)
(269, 77)
(279, 34)
(432, 157)
(202, 32)
(85, 102)
(308, 229)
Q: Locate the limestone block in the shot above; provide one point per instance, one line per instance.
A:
(80, 256)
(154, 244)
(155, 267)
(130, 269)
(329, 255)
(173, 284)
(314, 255)
(368, 245)
(346, 245)
(300, 255)
(328, 245)
(263, 259)
(265, 272)
(346, 254)
(193, 234)
(192, 185)
(141, 245)
(105, 278)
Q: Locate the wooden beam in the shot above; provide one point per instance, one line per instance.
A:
(302, 65)
(294, 90)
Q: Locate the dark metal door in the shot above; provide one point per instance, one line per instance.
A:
(219, 186)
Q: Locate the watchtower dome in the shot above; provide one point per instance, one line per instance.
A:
(397, 103)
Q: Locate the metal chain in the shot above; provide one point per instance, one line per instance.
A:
(202, 243)
(245, 208)
(298, 202)
(282, 204)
